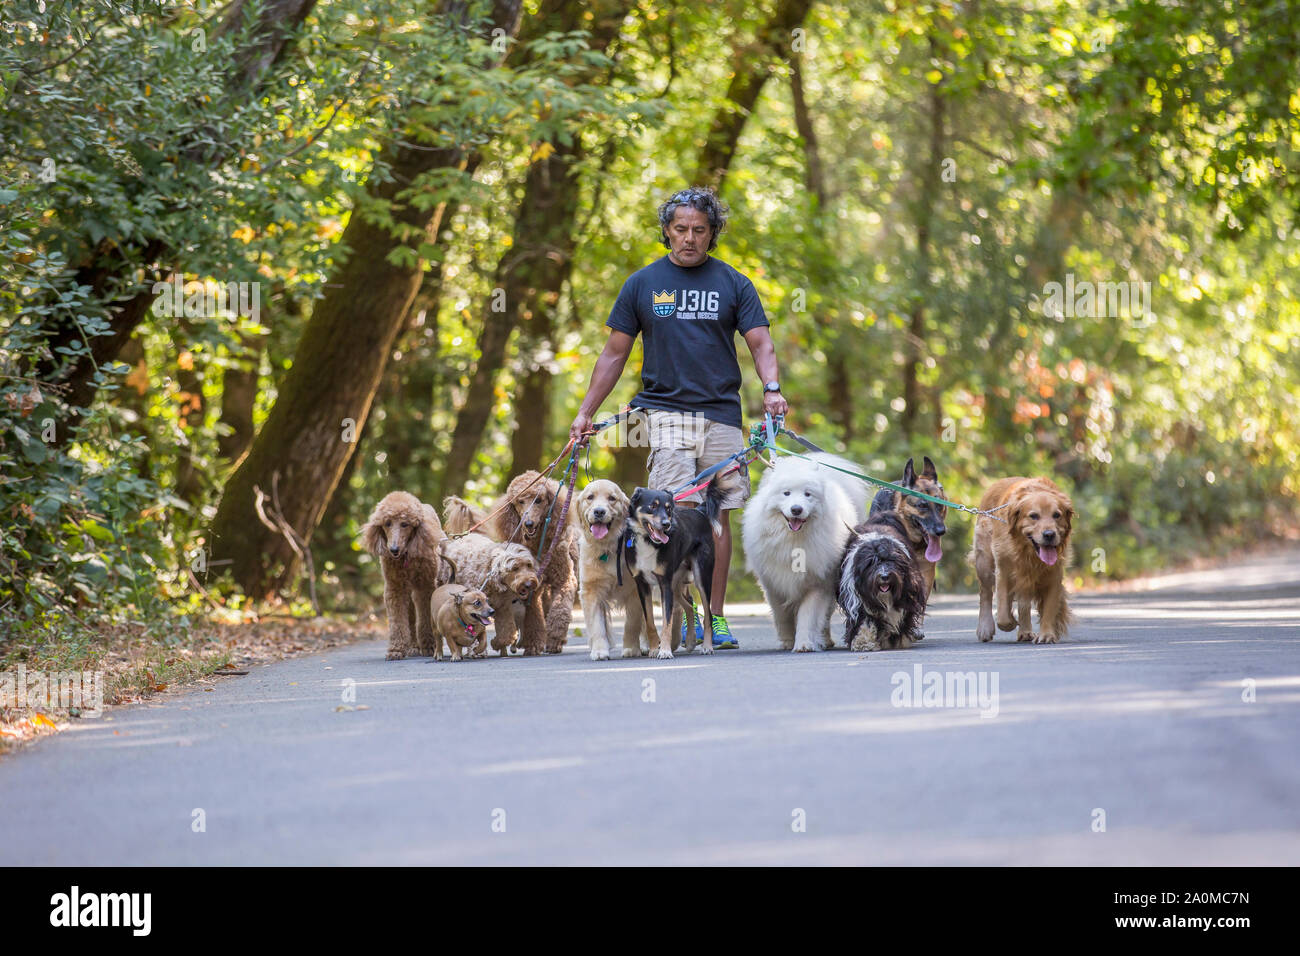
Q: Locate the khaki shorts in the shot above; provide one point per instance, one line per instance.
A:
(683, 444)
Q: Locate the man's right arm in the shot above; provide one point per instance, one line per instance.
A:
(609, 367)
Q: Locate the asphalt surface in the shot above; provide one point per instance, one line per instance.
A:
(755, 756)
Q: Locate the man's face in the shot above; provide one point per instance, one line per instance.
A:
(688, 236)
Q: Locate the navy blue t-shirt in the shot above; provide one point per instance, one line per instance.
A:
(688, 319)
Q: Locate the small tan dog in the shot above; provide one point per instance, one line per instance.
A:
(505, 572)
(1024, 559)
(460, 615)
(605, 581)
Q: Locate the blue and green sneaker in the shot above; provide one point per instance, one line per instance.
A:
(722, 637)
(699, 625)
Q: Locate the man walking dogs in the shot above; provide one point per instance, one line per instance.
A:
(688, 306)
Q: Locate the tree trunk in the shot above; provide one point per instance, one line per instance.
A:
(238, 396)
(189, 480)
(750, 69)
(326, 396)
(411, 386)
(531, 275)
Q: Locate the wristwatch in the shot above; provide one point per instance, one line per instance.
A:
(772, 387)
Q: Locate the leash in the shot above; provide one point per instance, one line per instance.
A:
(488, 517)
(571, 473)
(772, 427)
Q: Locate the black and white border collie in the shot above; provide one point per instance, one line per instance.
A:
(881, 585)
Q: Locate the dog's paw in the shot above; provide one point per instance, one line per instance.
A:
(600, 654)
(395, 656)
(632, 652)
(904, 641)
(1046, 638)
(665, 654)
(864, 643)
(918, 636)
(984, 631)
(706, 647)
(1027, 637)
(1009, 624)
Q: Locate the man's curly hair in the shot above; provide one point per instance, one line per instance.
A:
(702, 198)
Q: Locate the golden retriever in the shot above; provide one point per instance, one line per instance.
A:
(1024, 559)
(604, 580)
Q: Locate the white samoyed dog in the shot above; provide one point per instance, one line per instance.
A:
(795, 530)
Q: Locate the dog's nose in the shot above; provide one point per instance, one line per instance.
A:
(1049, 534)
(941, 531)
(598, 513)
(529, 524)
(796, 510)
(394, 550)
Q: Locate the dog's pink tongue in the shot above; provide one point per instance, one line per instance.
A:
(599, 531)
(933, 549)
(794, 523)
(1046, 555)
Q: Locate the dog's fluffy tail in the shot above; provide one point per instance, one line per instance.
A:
(458, 515)
(719, 487)
(442, 553)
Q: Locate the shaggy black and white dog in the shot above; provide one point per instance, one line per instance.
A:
(881, 585)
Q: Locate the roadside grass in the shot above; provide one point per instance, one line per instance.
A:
(142, 660)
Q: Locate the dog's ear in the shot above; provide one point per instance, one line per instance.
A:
(1067, 516)
(929, 470)
(909, 474)
(373, 538)
(1013, 512)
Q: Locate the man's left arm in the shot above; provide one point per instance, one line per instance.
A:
(759, 340)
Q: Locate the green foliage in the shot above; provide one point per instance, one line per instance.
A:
(81, 526)
(1150, 143)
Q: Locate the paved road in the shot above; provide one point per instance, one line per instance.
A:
(1140, 715)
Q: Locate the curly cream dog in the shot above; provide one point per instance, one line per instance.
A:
(520, 515)
(506, 573)
(602, 518)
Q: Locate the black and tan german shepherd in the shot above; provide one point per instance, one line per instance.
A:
(922, 520)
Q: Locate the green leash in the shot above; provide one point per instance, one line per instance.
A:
(778, 427)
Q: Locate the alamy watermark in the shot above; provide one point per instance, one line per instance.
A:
(195, 300)
(83, 690)
(1096, 300)
(958, 689)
